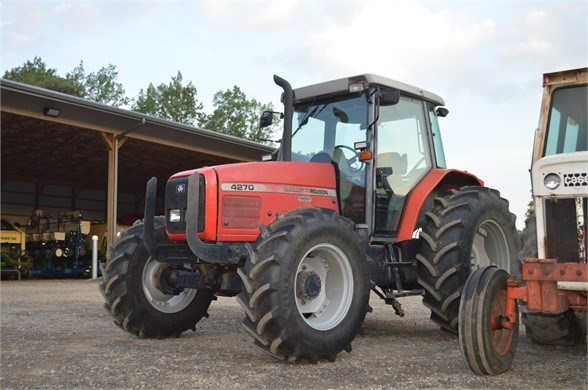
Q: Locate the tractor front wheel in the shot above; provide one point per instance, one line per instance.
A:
(131, 289)
(486, 346)
(305, 286)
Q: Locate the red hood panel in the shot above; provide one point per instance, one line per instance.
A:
(256, 193)
(294, 173)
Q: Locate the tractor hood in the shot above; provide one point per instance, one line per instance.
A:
(241, 197)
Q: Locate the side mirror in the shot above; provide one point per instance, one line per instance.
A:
(266, 119)
(341, 115)
(441, 112)
(389, 97)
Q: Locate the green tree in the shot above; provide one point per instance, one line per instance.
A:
(238, 116)
(530, 208)
(173, 101)
(100, 86)
(37, 73)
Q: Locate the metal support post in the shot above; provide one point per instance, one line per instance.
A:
(94, 257)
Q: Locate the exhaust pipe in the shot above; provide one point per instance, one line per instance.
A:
(288, 99)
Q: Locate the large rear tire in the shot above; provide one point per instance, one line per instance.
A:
(466, 229)
(487, 348)
(305, 286)
(130, 288)
(565, 328)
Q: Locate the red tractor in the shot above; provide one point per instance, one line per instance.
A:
(553, 288)
(359, 200)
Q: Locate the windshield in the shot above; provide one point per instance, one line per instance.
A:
(326, 131)
(566, 130)
(322, 125)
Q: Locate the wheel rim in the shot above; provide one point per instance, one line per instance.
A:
(501, 337)
(165, 303)
(490, 247)
(323, 286)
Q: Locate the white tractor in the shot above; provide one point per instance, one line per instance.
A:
(552, 287)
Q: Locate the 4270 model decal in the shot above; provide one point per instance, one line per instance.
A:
(240, 187)
(277, 188)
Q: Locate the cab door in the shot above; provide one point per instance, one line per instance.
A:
(403, 158)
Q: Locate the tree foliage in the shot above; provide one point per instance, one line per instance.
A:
(233, 113)
(174, 101)
(530, 209)
(37, 73)
(238, 116)
(100, 86)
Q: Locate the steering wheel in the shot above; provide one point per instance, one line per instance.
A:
(354, 163)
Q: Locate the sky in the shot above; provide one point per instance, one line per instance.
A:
(485, 58)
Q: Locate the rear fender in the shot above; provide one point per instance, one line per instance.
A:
(436, 179)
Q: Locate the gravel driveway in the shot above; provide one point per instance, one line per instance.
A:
(55, 334)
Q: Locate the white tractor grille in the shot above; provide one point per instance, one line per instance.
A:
(575, 179)
(562, 229)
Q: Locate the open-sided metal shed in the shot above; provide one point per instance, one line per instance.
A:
(53, 139)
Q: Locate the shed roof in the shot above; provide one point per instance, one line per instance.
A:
(70, 149)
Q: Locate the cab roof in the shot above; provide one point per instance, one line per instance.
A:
(338, 86)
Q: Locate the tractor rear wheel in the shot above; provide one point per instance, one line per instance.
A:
(555, 329)
(305, 286)
(130, 288)
(467, 229)
(486, 346)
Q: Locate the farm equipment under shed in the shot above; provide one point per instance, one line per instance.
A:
(49, 247)
(59, 247)
(14, 258)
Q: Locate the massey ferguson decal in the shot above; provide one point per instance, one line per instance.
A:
(277, 188)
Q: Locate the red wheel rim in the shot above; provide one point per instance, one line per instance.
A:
(501, 337)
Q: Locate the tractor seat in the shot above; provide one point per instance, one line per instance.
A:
(395, 181)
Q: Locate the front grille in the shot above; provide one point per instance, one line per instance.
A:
(561, 229)
(176, 197)
(576, 179)
(242, 212)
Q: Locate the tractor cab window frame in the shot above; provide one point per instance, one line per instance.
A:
(437, 140)
(566, 130)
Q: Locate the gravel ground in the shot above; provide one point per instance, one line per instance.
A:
(55, 334)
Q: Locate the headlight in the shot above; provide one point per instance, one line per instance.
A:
(175, 215)
(552, 181)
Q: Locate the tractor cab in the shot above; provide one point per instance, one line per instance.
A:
(381, 136)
